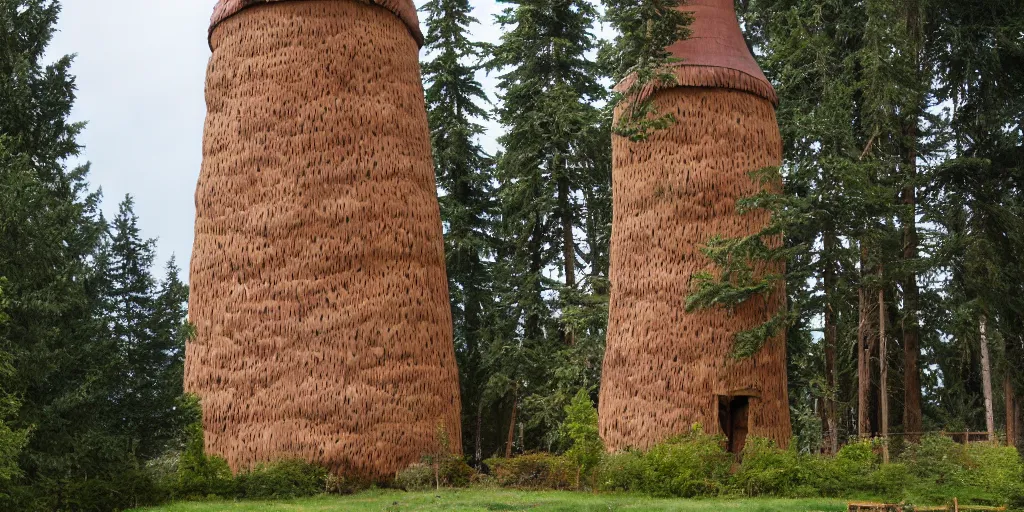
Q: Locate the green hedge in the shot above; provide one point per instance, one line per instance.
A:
(695, 465)
(534, 471)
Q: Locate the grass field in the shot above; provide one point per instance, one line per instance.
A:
(503, 500)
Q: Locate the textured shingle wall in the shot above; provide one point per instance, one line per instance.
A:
(664, 368)
(318, 281)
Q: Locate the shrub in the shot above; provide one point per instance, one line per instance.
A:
(938, 469)
(890, 481)
(624, 471)
(483, 480)
(336, 484)
(979, 473)
(534, 471)
(849, 472)
(687, 466)
(447, 468)
(199, 475)
(998, 472)
(282, 479)
(767, 470)
(130, 489)
(580, 429)
(417, 477)
(454, 472)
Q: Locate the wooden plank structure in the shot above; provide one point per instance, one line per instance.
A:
(319, 295)
(895, 507)
(665, 369)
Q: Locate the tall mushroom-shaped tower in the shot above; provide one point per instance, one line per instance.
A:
(665, 369)
(319, 295)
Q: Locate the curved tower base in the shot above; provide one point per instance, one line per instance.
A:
(666, 370)
(318, 282)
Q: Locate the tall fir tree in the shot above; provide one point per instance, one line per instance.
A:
(49, 232)
(973, 199)
(876, 97)
(166, 359)
(69, 343)
(548, 84)
(843, 74)
(147, 321)
(465, 179)
(11, 441)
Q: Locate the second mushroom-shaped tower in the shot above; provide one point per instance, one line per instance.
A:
(666, 370)
(323, 328)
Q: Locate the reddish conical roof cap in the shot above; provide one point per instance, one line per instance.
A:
(404, 9)
(716, 41)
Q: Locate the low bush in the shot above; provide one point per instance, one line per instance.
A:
(933, 471)
(850, 472)
(767, 470)
(445, 468)
(199, 475)
(998, 472)
(193, 474)
(624, 471)
(282, 479)
(454, 472)
(692, 465)
(940, 468)
(534, 471)
(417, 477)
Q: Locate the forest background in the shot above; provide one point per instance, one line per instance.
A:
(903, 165)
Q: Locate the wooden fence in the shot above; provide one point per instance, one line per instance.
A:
(960, 437)
(891, 507)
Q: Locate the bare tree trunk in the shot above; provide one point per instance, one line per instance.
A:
(478, 451)
(1016, 421)
(568, 244)
(863, 370)
(831, 342)
(986, 380)
(883, 367)
(512, 425)
(1011, 404)
(911, 329)
(867, 338)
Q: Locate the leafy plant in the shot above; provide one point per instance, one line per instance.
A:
(416, 477)
(282, 479)
(580, 428)
(534, 471)
(639, 61)
(199, 475)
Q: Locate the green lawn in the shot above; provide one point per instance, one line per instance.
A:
(503, 500)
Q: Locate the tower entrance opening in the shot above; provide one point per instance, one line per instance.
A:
(732, 418)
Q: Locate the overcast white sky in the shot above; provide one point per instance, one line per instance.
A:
(141, 66)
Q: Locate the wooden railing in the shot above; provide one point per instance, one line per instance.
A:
(960, 437)
(891, 507)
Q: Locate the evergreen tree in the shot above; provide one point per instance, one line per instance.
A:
(843, 74)
(78, 304)
(166, 356)
(49, 232)
(548, 85)
(11, 441)
(148, 324)
(863, 87)
(465, 179)
(639, 61)
(973, 199)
